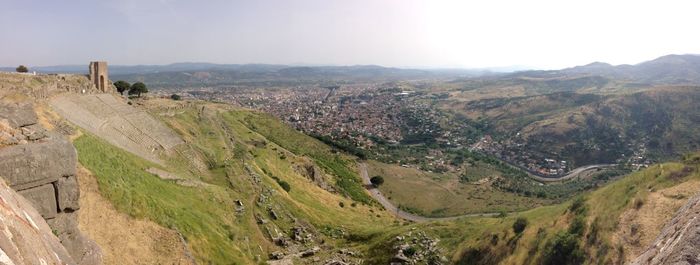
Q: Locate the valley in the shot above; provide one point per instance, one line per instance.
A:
(358, 132)
(282, 175)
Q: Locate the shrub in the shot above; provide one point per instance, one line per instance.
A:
(638, 203)
(341, 204)
(519, 225)
(578, 206)
(285, 185)
(22, 69)
(410, 251)
(563, 249)
(578, 226)
(175, 97)
(377, 180)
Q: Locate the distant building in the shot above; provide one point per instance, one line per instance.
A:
(99, 76)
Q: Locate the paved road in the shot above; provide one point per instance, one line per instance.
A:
(402, 214)
(572, 174)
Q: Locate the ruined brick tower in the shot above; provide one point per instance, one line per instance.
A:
(98, 75)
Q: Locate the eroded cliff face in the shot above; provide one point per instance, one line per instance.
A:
(679, 240)
(41, 166)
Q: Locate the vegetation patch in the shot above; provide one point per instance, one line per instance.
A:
(199, 214)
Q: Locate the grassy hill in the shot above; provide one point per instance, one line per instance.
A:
(236, 157)
(593, 128)
(608, 226)
(228, 160)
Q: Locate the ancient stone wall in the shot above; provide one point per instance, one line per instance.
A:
(26, 238)
(41, 166)
(42, 86)
(679, 240)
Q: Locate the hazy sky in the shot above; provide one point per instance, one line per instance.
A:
(403, 33)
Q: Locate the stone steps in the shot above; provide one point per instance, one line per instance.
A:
(122, 125)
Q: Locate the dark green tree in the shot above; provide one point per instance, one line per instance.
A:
(138, 88)
(122, 86)
(175, 97)
(519, 225)
(377, 180)
(22, 69)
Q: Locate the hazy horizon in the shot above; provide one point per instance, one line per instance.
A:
(392, 33)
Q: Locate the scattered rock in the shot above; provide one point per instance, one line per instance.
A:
(277, 255)
(260, 220)
(273, 214)
(335, 262)
(310, 252)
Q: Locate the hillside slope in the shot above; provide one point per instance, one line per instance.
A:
(235, 195)
(239, 159)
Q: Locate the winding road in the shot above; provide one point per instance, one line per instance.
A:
(572, 174)
(417, 218)
(400, 213)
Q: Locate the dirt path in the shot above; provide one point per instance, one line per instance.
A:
(377, 195)
(125, 240)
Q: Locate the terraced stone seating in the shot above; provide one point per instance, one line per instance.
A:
(120, 124)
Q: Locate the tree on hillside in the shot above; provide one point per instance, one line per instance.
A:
(175, 97)
(22, 69)
(377, 180)
(519, 225)
(122, 86)
(138, 88)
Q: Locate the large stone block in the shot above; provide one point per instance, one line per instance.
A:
(26, 238)
(35, 164)
(68, 194)
(18, 115)
(43, 198)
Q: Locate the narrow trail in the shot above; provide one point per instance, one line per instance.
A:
(377, 195)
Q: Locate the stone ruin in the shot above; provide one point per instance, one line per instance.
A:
(41, 166)
(99, 76)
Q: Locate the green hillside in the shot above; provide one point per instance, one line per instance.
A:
(234, 156)
(241, 165)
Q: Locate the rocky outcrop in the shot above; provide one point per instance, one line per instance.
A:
(26, 238)
(315, 174)
(679, 241)
(41, 166)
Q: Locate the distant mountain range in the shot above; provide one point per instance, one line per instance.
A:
(669, 69)
(369, 70)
